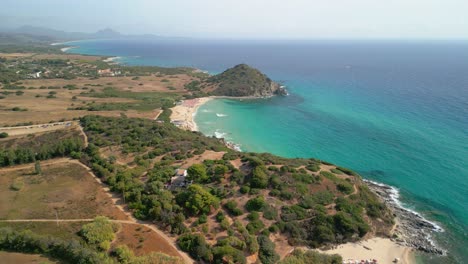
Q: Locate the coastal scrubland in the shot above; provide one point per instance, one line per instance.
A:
(232, 207)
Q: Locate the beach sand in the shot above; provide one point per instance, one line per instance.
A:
(382, 249)
(183, 114)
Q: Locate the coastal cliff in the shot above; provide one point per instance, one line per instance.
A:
(242, 81)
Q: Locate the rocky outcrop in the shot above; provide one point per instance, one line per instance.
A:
(412, 230)
(244, 81)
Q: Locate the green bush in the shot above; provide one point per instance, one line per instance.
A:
(197, 173)
(100, 232)
(244, 189)
(311, 257)
(195, 245)
(253, 216)
(231, 207)
(254, 226)
(259, 178)
(345, 187)
(228, 254)
(267, 253)
(255, 204)
(197, 200)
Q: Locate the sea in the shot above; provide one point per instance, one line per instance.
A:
(394, 111)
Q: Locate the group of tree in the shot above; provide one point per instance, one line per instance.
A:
(26, 154)
(70, 251)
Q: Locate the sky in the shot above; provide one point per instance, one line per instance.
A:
(280, 19)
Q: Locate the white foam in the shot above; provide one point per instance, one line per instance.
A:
(112, 59)
(218, 134)
(220, 115)
(395, 197)
(66, 48)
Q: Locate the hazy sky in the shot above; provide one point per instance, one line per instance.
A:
(304, 19)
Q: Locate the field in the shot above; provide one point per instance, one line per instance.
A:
(36, 104)
(20, 258)
(64, 190)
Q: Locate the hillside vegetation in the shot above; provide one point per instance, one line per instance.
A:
(243, 80)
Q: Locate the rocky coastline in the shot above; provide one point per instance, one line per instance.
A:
(412, 230)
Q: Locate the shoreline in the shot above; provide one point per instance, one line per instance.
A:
(183, 114)
(384, 250)
(411, 230)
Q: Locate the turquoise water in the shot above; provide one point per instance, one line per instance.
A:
(395, 112)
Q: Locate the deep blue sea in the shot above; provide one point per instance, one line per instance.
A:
(396, 112)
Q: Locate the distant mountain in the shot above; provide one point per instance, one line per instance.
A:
(243, 80)
(63, 35)
(107, 33)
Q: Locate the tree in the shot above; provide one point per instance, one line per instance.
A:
(100, 232)
(197, 200)
(195, 245)
(197, 173)
(255, 204)
(37, 168)
(259, 177)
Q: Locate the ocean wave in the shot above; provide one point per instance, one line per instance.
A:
(234, 146)
(394, 195)
(206, 111)
(221, 115)
(219, 134)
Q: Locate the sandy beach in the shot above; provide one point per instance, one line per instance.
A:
(183, 113)
(382, 249)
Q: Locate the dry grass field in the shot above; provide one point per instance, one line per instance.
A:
(64, 189)
(21, 258)
(40, 109)
(142, 240)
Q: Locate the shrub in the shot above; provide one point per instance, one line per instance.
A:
(267, 253)
(100, 232)
(269, 212)
(197, 200)
(244, 189)
(197, 173)
(259, 178)
(310, 256)
(220, 216)
(17, 184)
(228, 254)
(313, 167)
(345, 187)
(231, 207)
(195, 245)
(255, 226)
(253, 216)
(3, 135)
(255, 204)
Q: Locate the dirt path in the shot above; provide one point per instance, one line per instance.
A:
(31, 165)
(66, 220)
(118, 203)
(32, 129)
(115, 199)
(85, 137)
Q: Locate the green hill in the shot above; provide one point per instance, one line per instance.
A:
(243, 80)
